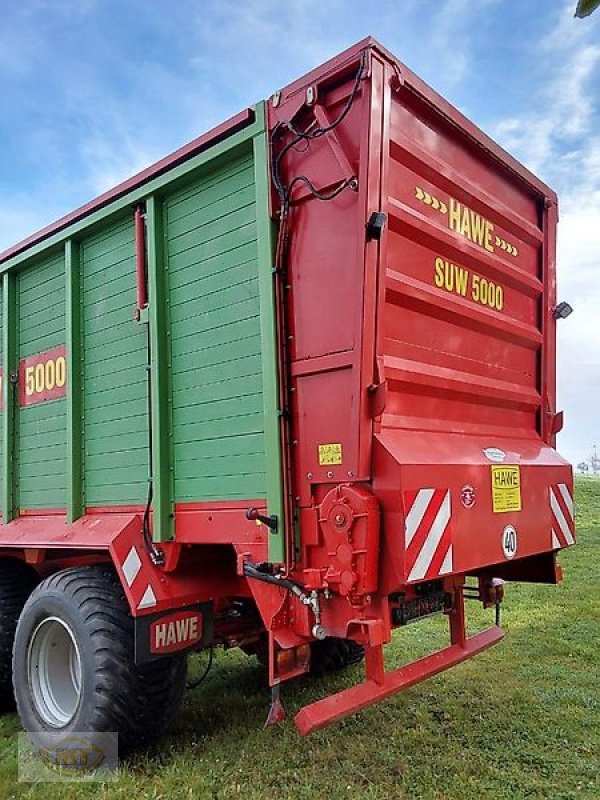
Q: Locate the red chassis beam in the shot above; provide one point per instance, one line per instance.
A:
(340, 705)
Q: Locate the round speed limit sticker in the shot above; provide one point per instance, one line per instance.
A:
(509, 541)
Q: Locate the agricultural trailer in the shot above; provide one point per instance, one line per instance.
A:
(287, 390)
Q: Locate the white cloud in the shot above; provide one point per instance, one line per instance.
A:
(557, 139)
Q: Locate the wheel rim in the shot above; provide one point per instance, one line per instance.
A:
(54, 667)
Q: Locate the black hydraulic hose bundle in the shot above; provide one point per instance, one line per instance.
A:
(254, 571)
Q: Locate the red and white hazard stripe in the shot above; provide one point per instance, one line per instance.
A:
(428, 536)
(137, 580)
(563, 517)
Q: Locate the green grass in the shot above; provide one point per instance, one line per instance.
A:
(519, 721)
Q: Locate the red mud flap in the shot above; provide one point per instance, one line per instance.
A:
(340, 705)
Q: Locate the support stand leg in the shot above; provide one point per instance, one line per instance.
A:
(456, 617)
(276, 711)
(374, 666)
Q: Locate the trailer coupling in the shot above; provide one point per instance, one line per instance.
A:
(380, 684)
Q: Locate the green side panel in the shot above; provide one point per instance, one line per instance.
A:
(41, 429)
(1, 380)
(216, 368)
(114, 353)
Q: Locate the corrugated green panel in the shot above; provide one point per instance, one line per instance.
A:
(216, 370)
(114, 371)
(41, 451)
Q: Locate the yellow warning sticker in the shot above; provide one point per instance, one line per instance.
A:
(506, 489)
(330, 454)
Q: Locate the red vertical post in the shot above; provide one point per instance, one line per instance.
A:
(456, 617)
(375, 668)
(140, 260)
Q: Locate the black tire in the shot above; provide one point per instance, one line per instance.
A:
(17, 581)
(87, 607)
(332, 654)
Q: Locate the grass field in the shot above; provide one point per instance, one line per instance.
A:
(519, 721)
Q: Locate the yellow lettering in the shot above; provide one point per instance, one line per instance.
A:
(454, 215)
(438, 278)
(462, 279)
(39, 378)
(470, 224)
(458, 280)
(61, 372)
(448, 276)
(489, 229)
(50, 374)
(465, 227)
(478, 225)
(29, 381)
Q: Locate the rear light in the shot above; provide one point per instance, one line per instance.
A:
(293, 660)
(286, 661)
(303, 656)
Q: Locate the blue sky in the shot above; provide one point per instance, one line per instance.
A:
(94, 90)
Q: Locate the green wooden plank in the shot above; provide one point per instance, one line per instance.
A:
(230, 173)
(114, 355)
(128, 440)
(99, 412)
(195, 271)
(112, 459)
(241, 220)
(219, 409)
(196, 380)
(215, 330)
(42, 435)
(221, 428)
(110, 281)
(210, 255)
(37, 498)
(40, 311)
(209, 358)
(239, 387)
(217, 323)
(232, 487)
(99, 245)
(242, 283)
(119, 494)
(220, 209)
(110, 348)
(239, 464)
(40, 272)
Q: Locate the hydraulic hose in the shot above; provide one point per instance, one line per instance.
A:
(252, 571)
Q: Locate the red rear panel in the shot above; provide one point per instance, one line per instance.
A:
(420, 363)
(464, 459)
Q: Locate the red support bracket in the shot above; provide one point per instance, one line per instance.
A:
(340, 705)
(140, 261)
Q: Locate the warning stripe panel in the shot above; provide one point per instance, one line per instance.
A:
(142, 591)
(563, 516)
(428, 535)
